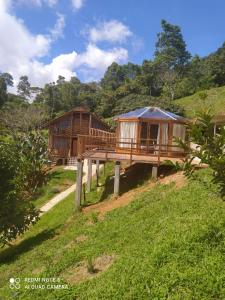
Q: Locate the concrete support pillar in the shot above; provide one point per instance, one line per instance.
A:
(97, 172)
(154, 172)
(97, 167)
(117, 179)
(78, 193)
(89, 175)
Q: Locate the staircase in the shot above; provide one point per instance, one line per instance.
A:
(72, 161)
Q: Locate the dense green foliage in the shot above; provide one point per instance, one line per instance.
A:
(22, 171)
(209, 148)
(168, 244)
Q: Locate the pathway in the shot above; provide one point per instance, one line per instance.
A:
(61, 196)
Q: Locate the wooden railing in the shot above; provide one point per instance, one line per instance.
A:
(101, 133)
(145, 147)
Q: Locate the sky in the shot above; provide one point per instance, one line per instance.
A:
(46, 38)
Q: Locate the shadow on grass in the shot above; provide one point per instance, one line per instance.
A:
(135, 176)
(13, 252)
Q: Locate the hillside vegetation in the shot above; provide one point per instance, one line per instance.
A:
(171, 73)
(167, 244)
(213, 98)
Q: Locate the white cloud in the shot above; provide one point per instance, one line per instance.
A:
(97, 58)
(77, 4)
(112, 31)
(57, 30)
(21, 54)
(40, 73)
(37, 3)
(94, 61)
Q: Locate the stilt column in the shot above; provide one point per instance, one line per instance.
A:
(89, 175)
(154, 172)
(117, 179)
(78, 192)
(97, 167)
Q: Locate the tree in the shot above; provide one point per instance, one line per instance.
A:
(171, 57)
(23, 118)
(209, 150)
(22, 170)
(5, 80)
(113, 77)
(171, 47)
(23, 87)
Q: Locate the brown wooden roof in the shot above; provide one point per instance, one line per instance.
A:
(78, 109)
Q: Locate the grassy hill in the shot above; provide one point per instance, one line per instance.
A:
(166, 244)
(215, 98)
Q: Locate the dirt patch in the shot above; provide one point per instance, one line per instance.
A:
(38, 270)
(178, 178)
(71, 244)
(103, 207)
(81, 238)
(81, 272)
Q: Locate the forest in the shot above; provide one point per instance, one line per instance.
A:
(171, 74)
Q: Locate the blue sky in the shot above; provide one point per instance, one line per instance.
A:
(82, 37)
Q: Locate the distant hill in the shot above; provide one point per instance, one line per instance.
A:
(214, 98)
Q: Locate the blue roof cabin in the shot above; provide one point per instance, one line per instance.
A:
(143, 135)
(150, 131)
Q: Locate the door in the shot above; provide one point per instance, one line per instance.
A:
(74, 147)
(149, 136)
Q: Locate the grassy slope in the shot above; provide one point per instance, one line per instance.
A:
(215, 100)
(60, 180)
(169, 244)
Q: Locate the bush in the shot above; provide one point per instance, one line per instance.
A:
(22, 171)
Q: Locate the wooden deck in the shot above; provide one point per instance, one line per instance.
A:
(113, 149)
(137, 158)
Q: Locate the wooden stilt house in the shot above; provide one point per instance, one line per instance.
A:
(64, 130)
(143, 135)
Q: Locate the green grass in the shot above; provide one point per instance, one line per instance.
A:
(60, 180)
(169, 244)
(215, 99)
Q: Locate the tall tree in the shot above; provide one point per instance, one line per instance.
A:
(24, 88)
(5, 80)
(171, 57)
(171, 47)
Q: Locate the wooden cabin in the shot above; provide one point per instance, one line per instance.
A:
(146, 135)
(150, 130)
(143, 135)
(64, 130)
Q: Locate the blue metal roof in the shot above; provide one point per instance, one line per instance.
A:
(151, 113)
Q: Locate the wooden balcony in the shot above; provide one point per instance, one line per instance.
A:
(117, 149)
